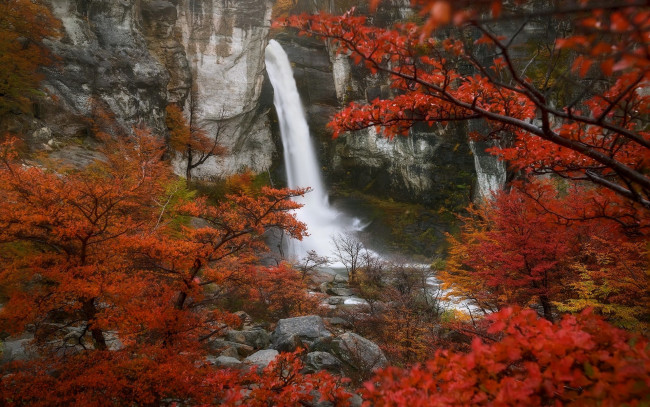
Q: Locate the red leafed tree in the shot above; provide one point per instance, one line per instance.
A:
(576, 105)
(579, 361)
(154, 376)
(280, 292)
(192, 143)
(67, 271)
(24, 24)
(515, 251)
(113, 272)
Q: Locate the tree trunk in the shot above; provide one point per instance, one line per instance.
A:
(98, 335)
(188, 169)
(546, 306)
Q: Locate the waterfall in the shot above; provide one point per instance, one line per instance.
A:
(300, 161)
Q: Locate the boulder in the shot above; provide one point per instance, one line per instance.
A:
(225, 362)
(258, 338)
(335, 300)
(288, 343)
(262, 358)
(340, 291)
(305, 329)
(317, 361)
(220, 345)
(358, 352)
(230, 352)
(16, 349)
(323, 344)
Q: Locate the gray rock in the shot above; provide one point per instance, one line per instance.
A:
(16, 349)
(322, 344)
(225, 361)
(288, 343)
(340, 291)
(317, 361)
(242, 349)
(358, 352)
(306, 329)
(335, 300)
(230, 352)
(262, 358)
(132, 58)
(257, 338)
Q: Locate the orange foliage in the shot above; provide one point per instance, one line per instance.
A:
(523, 247)
(280, 292)
(118, 295)
(579, 361)
(190, 141)
(23, 26)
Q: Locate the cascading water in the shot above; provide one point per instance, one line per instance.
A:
(300, 161)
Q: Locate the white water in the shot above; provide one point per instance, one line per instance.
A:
(301, 163)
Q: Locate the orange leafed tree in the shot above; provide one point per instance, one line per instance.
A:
(70, 234)
(192, 143)
(527, 361)
(113, 272)
(24, 24)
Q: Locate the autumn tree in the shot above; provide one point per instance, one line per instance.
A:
(113, 271)
(70, 271)
(280, 292)
(514, 251)
(525, 360)
(24, 24)
(191, 142)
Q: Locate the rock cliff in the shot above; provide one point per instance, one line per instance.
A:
(130, 58)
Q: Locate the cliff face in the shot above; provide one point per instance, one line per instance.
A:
(133, 57)
(225, 42)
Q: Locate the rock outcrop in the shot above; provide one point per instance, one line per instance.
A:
(295, 332)
(129, 59)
